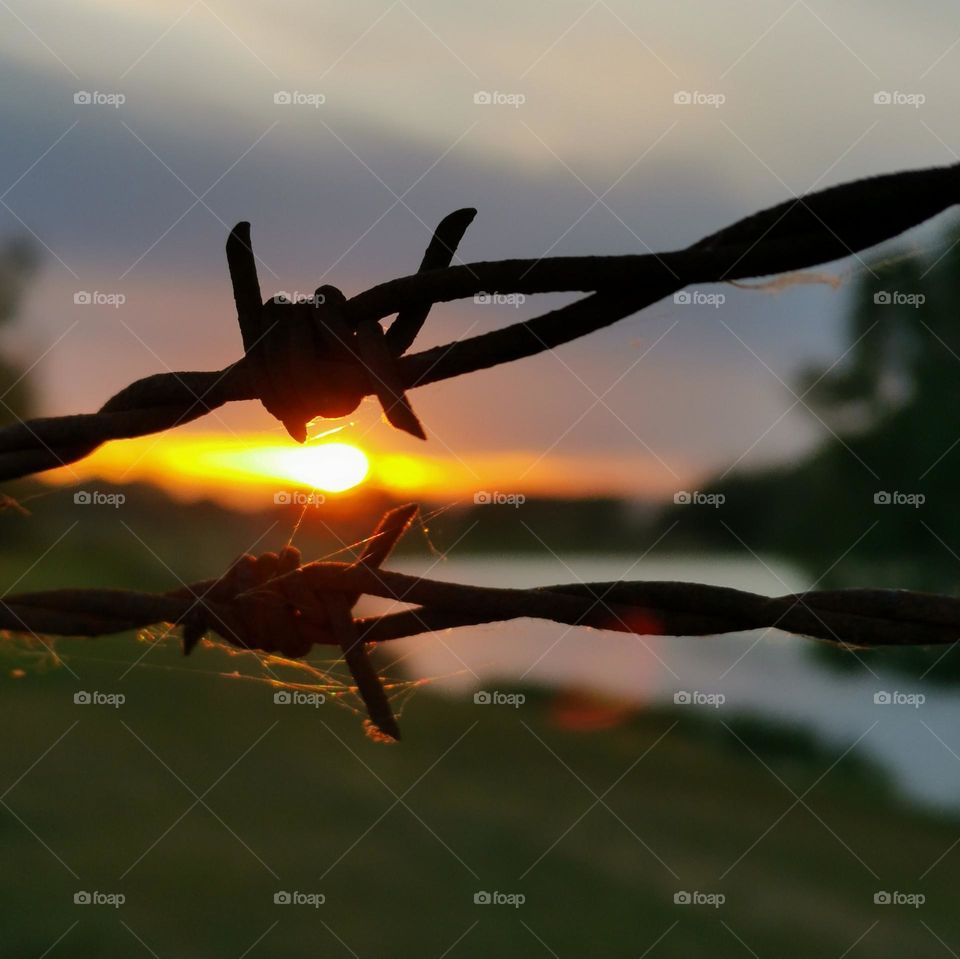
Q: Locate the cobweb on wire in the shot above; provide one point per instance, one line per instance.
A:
(310, 681)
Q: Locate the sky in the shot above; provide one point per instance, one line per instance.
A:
(583, 151)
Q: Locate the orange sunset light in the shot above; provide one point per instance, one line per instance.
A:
(331, 467)
(232, 468)
(245, 470)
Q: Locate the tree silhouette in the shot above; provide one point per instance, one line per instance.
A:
(878, 500)
(18, 262)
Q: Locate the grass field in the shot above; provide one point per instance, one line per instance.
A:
(200, 798)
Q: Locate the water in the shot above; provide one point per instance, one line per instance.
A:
(766, 673)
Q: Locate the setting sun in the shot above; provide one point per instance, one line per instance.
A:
(245, 470)
(330, 467)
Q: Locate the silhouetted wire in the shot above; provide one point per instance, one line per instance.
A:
(321, 357)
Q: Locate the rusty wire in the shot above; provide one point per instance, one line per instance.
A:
(320, 358)
(278, 606)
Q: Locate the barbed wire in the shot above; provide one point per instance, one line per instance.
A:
(320, 357)
(276, 605)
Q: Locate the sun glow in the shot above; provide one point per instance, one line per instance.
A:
(331, 467)
(246, 471)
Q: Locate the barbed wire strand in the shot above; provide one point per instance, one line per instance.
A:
(275, 605)
(322, 357)
(316, 363)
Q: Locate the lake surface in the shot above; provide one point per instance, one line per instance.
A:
(766, 673)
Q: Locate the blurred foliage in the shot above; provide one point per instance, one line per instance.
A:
(18, 263)
(545, 526)
(891, 421)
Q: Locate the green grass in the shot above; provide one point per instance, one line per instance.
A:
(493, 798)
